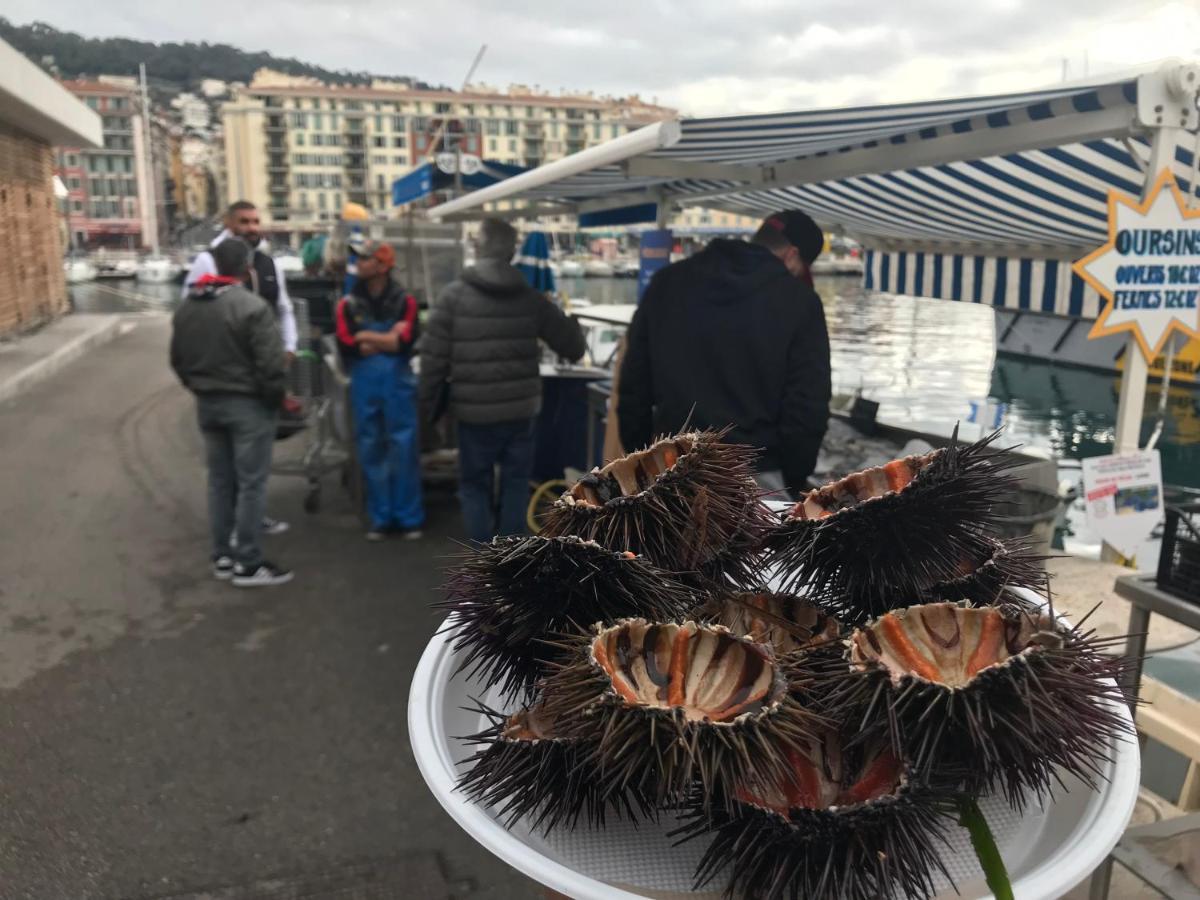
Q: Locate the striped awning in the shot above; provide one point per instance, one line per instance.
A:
(1012, 176)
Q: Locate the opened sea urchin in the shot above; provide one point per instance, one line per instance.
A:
(786, 622)
(847, 824)
(894, 530)
(507, 597)
(689, 503)
(1004, 694)
(525, 769)
(669, 704)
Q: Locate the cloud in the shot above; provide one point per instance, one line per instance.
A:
(704, 56)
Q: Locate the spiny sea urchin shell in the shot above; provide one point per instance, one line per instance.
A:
(848, 824)
(524, 769)
(1004, 694)
(894, 530)
(786, 622)
(688, 503)
(508, 596)
(985, 574)
(671, 703)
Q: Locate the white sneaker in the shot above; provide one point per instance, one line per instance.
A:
(265, 574)
(274, 526)
(222, 567)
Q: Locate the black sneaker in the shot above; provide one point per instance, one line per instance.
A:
(222, 567)
(264, 574)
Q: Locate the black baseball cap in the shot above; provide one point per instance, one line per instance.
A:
(799, 229)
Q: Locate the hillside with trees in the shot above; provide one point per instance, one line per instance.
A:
(179, 64)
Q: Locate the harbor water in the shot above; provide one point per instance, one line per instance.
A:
(928, 363)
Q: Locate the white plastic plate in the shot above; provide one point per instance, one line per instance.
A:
(1047, 851)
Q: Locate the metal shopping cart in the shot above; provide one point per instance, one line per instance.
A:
(321, 413)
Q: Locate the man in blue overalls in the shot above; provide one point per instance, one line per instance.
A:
(376, 328)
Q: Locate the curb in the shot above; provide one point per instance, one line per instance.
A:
(63, 356)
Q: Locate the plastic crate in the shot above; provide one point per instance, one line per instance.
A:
(1179, 558)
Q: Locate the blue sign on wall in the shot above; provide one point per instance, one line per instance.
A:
(655, 255)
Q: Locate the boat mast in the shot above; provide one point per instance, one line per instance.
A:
(148, 160)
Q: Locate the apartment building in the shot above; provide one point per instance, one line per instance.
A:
(299, 148)
(107, 203)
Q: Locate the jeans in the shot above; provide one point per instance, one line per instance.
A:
(239, 434)
(481, 448)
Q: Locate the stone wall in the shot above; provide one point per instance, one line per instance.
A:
(32, 286)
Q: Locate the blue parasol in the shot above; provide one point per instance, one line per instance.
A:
(534, 262)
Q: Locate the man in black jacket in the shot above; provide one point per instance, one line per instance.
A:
(226, 349)
(482, 340)
(736, 336)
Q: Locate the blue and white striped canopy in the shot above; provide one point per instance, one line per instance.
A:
(1011, 177)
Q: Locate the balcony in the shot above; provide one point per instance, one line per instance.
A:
(275, 125)
(356, 163)
(575, 146)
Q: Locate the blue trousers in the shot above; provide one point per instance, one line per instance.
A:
(383, 394)
(481, 448)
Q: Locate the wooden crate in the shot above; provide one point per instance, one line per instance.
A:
(32, 287)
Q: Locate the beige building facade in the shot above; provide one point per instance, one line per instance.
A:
(299, 149)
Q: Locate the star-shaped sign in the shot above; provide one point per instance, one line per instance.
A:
(1149, 268)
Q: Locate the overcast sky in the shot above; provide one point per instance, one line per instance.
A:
(703, 56)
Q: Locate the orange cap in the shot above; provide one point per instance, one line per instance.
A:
(381, 251)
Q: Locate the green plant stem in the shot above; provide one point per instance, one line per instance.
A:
(970, 816)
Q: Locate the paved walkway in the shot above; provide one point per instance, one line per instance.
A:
(164, 733)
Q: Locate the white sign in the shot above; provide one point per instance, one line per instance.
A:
(448, 162)
(1124, 498)
(1149, 269)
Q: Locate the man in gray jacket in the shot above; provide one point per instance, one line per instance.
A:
(226, 349)
(482, 340)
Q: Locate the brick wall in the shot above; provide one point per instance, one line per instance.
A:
(32, 287)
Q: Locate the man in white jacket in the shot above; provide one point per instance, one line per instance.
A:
(265, 279)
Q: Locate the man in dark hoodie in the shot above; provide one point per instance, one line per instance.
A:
(226, 349)
(482, 339)
(735, 336)
(376, 328)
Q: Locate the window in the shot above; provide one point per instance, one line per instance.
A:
(399, 141)
(316, 103)
(77, 206)
(73, 160)
(378, 120)
(333, 122)
(337, 199)
(321, 200)
(529, 112)
(128, 167)
(316, 120)
(512, 146)
(554, 129)
(491, 126)
(616, 131)
(130, 187)
(379, 160)
(552, 113)
(377, 106)
(92, 102)
(380, 182)
(73, 183)
(491, 145)
(353, 105)
(318, 140)
(332, 104)
(94, 186)
(299, 120)
(378, 142)
(300, 138)
(470, 108)
(119, 103)
(510, 127)
(420, 123)
(399, 161)
(397, 123)
(303, 198)
(441, 108)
